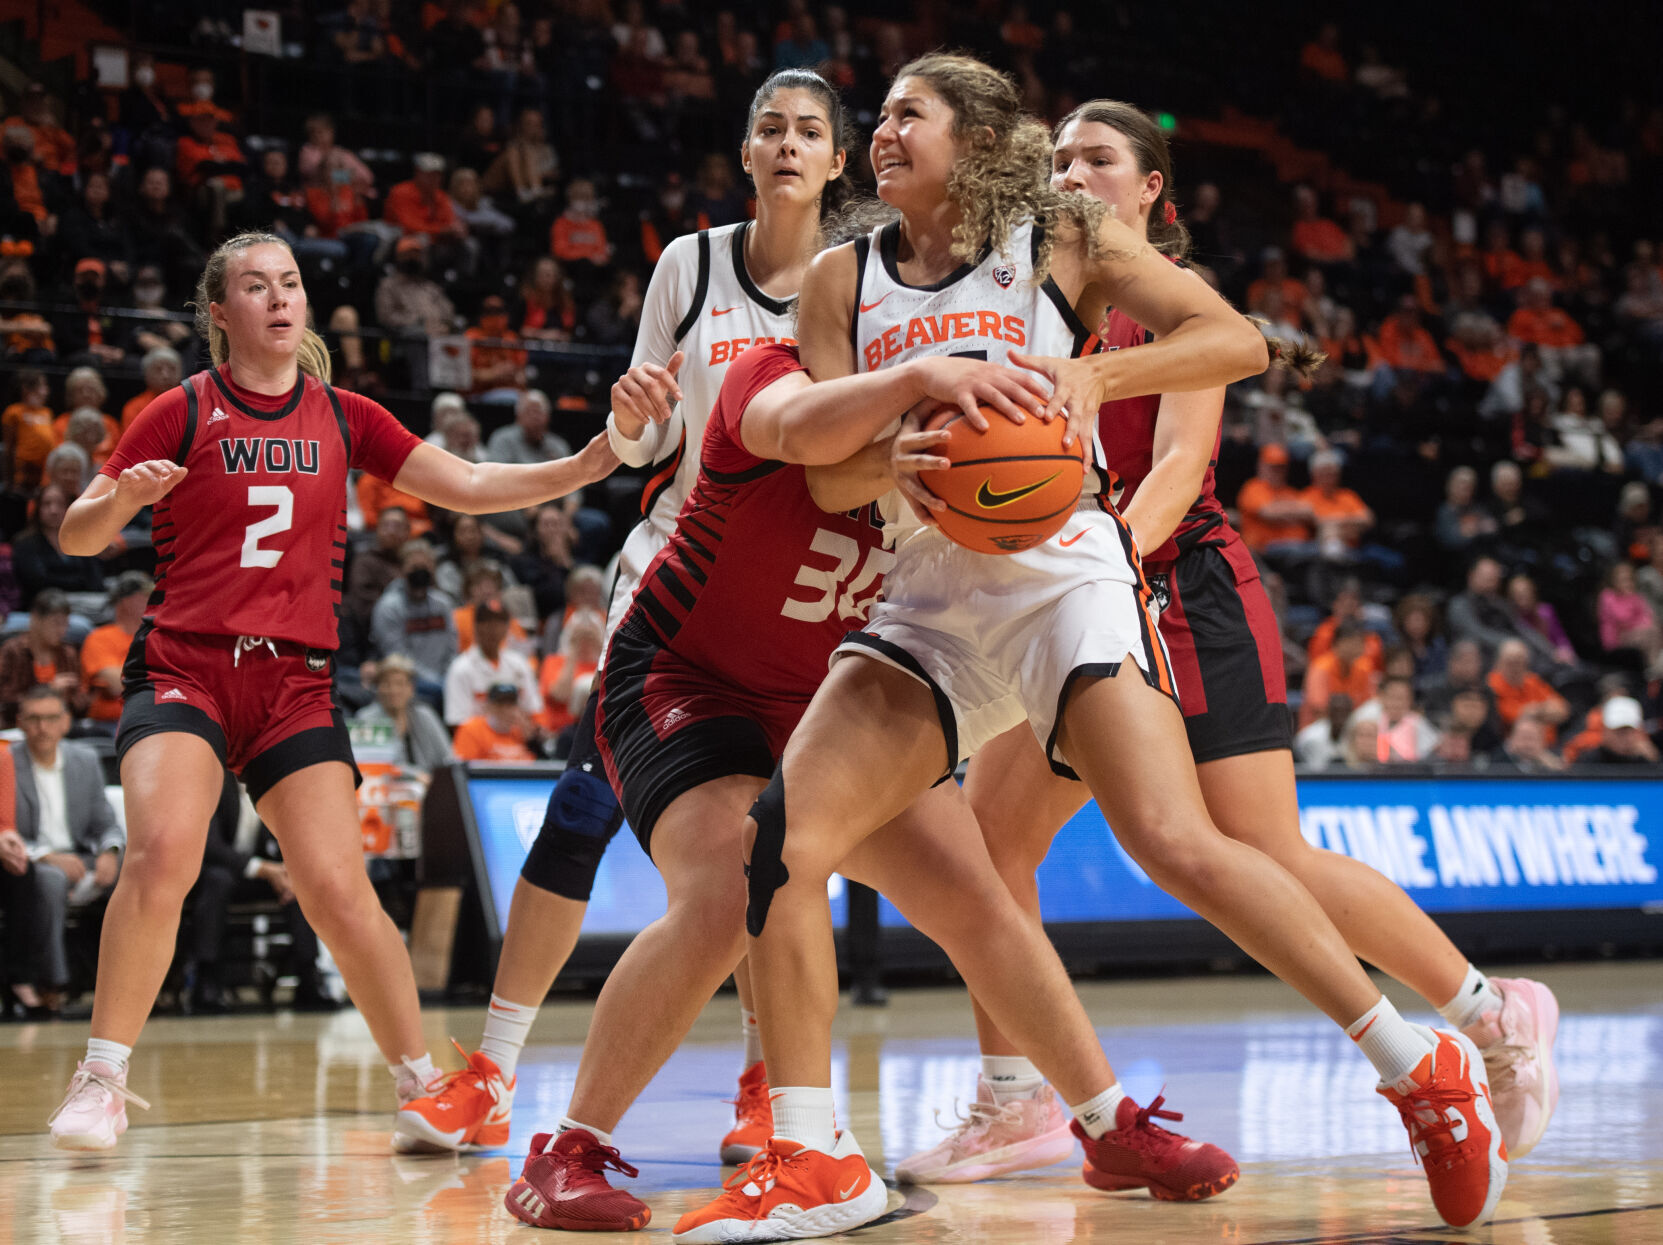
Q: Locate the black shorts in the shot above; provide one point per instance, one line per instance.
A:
(665, 726)
(1226, 651)
(267, 708)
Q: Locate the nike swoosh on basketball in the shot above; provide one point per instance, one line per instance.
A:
(1077, 536)
(722, 311)
(869, 306)
(988, 499)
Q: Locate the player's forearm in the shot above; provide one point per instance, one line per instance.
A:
(638, 450)
(861, 478)
(1162, 500)
(831, 420)
(1205, 351)
(494, 487)
(91, 523)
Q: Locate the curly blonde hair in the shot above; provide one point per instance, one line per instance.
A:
(313, 355)
(1003, 176)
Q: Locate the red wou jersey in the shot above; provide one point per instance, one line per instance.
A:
(1127, 430)
(758, 584)
(252, 541)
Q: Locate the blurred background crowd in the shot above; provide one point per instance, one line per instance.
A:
(1458, 516)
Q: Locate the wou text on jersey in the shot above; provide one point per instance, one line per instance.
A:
(268, 454)
(948, 326)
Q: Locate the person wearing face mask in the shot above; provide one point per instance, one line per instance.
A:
(666, 222)
(498, 368)
(89, 334)
(578, 237)
(154, 331)
(413, 619)
(142, 109)
(407, 299)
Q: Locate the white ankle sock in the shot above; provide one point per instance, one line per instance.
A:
(567, 1123)
(1389, 1042)
(752, 1033)
(1096, 1114)
(112, 1053)
(1011, 1077)
(506, 1027)
(422, 1067)
(1476, 996)
(805, 1114)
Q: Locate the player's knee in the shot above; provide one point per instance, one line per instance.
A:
(583, 816)
(158, 874)
(766, 871)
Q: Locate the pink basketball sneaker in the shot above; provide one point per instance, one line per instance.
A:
(995, 1140)
(1517, 1045)
(93, 1113)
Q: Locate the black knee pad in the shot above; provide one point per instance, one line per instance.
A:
(766, 873)
(582, 817)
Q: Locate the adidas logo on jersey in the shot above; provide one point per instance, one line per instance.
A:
(217, 416)
(172, 693)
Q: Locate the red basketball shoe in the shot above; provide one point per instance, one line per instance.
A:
(1445, 1104)
(753, 1117)
(790, 1193)
(1137, 1154)
(563, 1186)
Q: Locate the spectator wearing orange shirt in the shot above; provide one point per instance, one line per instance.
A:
(18, 142)
(1560, 339)
(578, 237)
(498, 734)
(28, 431)
(1340, 515)
(1517, 689)
(1346, 669)
(1321, 57)
(54, 146)
(1315, 237)
(484, 585)
(1274, 276)
(1347, 608)
(567, 676)
(105, 650)
(1531, 264)
(420, 207)
(498, 368)
(163, 370)
(1480, 347)
(1405, 345)
(209, 162)
(1272, 512)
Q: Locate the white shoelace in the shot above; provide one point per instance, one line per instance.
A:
(982, 1115)
(247, 644)
(84, 1080)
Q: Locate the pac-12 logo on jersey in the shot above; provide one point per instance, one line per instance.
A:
(274, 454)
(1004, 274)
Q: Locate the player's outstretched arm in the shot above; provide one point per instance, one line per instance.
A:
(442, 479)
(1186, 428)
(96, 517)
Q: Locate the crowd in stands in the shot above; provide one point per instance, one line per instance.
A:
(1457, 515)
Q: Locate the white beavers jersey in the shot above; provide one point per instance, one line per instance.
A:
(980, 311)
(701, 301)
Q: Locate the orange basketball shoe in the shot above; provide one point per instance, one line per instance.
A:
(1445, 1104)
(791, 1193)
(469, 1111)
(564, 1186)
(753, 1117)
(1136, 1154)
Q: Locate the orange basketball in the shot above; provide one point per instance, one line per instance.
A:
(1008, 488)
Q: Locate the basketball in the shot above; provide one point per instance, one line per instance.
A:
(1008, 488)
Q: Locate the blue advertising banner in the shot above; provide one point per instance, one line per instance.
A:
(1455, 844)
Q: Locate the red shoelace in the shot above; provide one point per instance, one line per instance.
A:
(596, 1158)
(1157, 1139)
(1439, 1134)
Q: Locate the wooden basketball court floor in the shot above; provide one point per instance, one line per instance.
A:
(274, 1128)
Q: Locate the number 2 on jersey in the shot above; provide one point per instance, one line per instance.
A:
(825, 581)
(267, 495)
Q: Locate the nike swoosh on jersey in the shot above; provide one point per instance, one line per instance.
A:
(987, 499)
(722, 311)
(870, 306)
